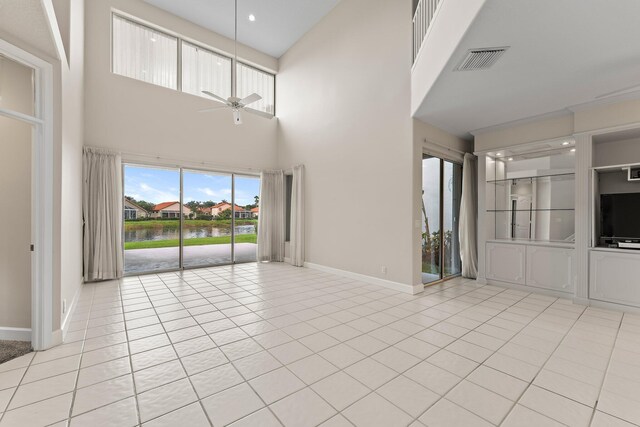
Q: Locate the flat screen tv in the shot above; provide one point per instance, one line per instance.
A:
(620, 215)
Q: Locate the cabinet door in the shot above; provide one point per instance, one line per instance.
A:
(614, 277)
(551, 268)
(506, 262)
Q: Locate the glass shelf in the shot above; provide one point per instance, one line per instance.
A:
(530, 210)
(537, 203)
(537, 177)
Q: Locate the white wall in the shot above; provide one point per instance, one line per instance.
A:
(140, 118)
(15, 192)
(344, 104)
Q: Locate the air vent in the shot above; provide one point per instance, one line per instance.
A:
(481, 59)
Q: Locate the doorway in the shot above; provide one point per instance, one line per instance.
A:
(441, 196)
(178, 218)
(26, 252)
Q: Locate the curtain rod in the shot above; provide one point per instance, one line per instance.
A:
(181, 161)
(444, 147)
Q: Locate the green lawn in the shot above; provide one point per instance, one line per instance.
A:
(149, 244)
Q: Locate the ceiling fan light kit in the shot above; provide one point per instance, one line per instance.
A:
(233, 102)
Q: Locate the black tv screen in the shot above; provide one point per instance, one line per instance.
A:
(620, 214)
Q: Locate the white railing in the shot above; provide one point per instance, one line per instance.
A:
(421, 20)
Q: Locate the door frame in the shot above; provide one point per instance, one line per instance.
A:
(42, 188)
(181, 167)
(442, 160)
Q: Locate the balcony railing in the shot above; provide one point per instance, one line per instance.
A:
(421, 21)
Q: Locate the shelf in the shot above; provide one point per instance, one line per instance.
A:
(616, 250)
(531, 210)
(530, 177)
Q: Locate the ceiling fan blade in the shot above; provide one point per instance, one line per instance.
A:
(214, 96)
(254, 97)
(208, 110)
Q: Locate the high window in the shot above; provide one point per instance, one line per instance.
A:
(144, 54)
(156, 57)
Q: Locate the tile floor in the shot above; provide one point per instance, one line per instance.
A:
(271, 345)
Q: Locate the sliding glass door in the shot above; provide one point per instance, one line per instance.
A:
(183, 218)
(206, 229)
(151, 219)
(247, 197)
(441, 194)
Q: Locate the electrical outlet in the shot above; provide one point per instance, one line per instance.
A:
(383, 269)
(64, 306)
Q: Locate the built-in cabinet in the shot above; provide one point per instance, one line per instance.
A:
(615, 276)
(529, 216)
(543, 220)
(543, 267)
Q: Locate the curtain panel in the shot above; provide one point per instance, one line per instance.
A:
(468, 229)
(297, 217)
(102, 214)
(271, 221)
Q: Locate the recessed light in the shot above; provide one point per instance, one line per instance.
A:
(499, 154)
(252, 17)
(510, 159)
(566, 143)
(153, 39)
(573, 150)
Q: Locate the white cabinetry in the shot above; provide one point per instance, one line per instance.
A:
(536, 265)
(551, 268)
(615, 276)
(506, 262)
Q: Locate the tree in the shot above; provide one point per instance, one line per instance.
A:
(147, 206)
(257, 199)
(225, 214)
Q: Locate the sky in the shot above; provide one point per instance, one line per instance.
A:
(158, 185)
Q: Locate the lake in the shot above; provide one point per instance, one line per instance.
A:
(190, 232)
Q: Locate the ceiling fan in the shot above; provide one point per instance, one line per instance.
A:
(233, 102)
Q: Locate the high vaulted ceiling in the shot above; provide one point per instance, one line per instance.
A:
(278, 24)
(561, 54)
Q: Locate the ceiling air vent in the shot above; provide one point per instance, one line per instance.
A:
(481, 59)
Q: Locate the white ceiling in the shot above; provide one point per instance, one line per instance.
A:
(26, 20)
(562, 54)
(278, 25)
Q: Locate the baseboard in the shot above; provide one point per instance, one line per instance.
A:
(56, 338)
(396, 286)
(15, 334)
(64, 327)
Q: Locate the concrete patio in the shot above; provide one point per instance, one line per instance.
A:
(147, 260)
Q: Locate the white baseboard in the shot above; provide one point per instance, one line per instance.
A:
(15, 334)
(396, 286)
(69, 314)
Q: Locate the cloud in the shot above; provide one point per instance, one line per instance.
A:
(217, 194)
(144, 191)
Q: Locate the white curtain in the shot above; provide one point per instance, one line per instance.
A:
(297, 217)
(271, 221)
(468, 219)
(102, 214)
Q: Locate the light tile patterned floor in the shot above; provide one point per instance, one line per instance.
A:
(271, 345)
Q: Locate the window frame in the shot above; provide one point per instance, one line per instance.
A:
(261, 71)
(180, 39)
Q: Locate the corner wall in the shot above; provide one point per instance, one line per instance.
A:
(344, 95)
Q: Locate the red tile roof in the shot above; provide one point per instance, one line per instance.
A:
(163, 205)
